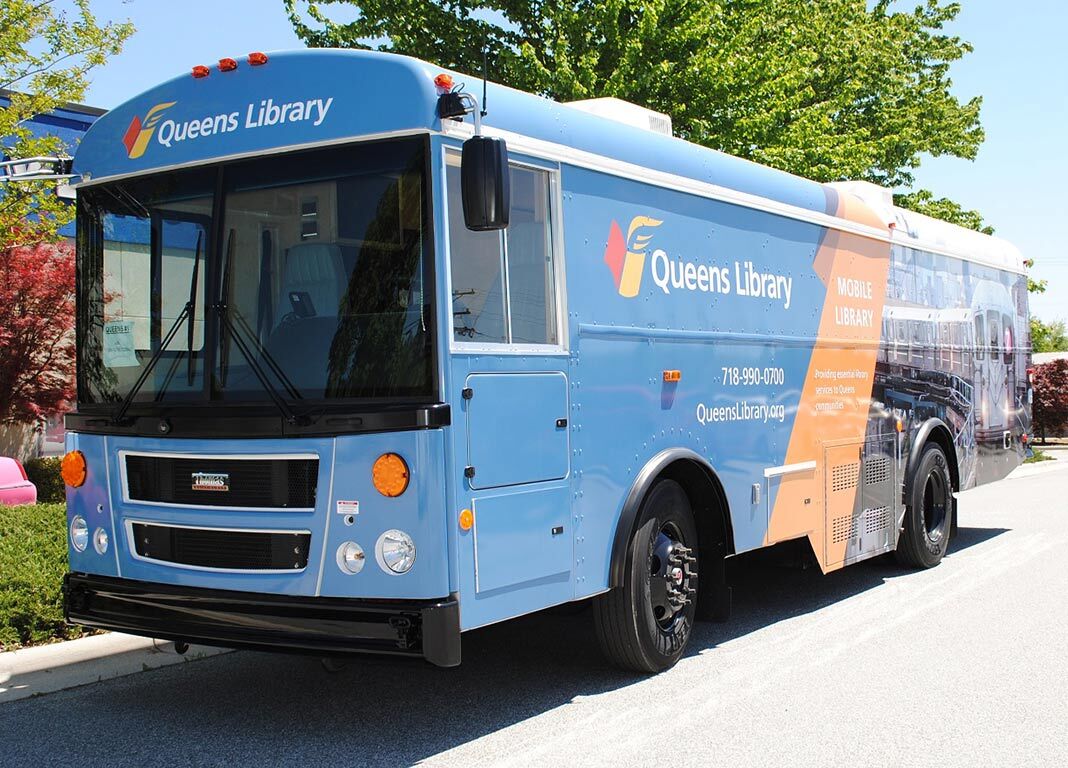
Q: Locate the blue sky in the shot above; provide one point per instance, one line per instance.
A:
(1018, 66)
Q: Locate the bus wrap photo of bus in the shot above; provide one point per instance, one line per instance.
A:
(368, 358)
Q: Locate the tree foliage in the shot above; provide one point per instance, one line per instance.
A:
(923, 201)
(830, 89)
(46, 56)
(1048, 337)
(36, 330)
(1049, 411)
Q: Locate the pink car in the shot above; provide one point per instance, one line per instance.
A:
(15, 487)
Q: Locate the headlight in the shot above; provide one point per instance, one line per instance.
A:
(350, 557)
(395, 552)
(100, 541)
(79, 533)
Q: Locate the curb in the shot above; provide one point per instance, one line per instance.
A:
(1038, 468)
(49, 668)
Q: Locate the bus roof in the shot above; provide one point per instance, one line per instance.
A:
(320, 96)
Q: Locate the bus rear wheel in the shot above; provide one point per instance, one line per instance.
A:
(645, 625)
(929, 512)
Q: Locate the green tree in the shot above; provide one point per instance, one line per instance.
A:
(46, 56)
(923, 201)
(1048, 337)
(830, 89)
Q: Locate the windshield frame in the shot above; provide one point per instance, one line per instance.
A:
(90, 270)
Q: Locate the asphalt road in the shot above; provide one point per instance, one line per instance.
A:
(965, 664)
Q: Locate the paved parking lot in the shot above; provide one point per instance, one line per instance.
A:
(966, 664)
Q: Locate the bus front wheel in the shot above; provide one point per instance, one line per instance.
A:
(645, 624)
(929, 512)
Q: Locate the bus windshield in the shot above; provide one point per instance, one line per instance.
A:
(305, 275)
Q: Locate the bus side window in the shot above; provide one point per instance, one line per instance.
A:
(995, 333)
(528, 246)
(503, 283)
(980, 337)
(477, 267)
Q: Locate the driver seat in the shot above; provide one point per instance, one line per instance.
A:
(318, 270)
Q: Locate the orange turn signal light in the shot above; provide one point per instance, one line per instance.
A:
(390, 475)
(73, 469)
(672, 375)
(467, 520)
(443, 81)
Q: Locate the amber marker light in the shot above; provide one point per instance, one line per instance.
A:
(200, 71)
(257, 58)
(467, 520)
(672, 375)
(73, 469)
(390, 475)
(443, 81)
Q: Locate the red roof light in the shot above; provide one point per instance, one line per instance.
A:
(227, 65)
(201, 71)
(256, 58)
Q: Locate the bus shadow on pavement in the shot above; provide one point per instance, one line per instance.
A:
(266, 709)
(777, 583)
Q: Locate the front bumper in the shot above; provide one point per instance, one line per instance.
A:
(318, 625)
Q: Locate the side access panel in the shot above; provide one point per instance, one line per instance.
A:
(517, 428)
(521, 537)
(860, 479)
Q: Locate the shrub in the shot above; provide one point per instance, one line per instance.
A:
(1050, 406)
(33, 560)
(44, 473)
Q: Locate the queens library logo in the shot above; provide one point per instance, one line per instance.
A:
(140, 131)
(625, 255)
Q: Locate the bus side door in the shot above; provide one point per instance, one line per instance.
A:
(512, 436)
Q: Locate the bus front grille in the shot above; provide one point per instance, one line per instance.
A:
(260, 483)
(222, 549)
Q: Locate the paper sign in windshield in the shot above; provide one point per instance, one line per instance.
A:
(119, 344)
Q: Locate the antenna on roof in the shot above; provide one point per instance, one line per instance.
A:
(485, 76)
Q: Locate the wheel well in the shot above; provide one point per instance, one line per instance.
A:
(709, 503)
(707, 499)
(937, 433)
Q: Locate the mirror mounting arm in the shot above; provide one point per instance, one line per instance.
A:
(456, 104)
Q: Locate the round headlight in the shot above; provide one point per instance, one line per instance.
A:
(100, 541)
(350, 557)
(79, 533)
(395, 552)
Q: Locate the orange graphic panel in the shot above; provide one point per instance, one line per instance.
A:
(836, 395)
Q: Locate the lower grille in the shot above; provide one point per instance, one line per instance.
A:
(215, 548)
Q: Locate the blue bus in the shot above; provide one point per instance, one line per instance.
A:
(363, 366)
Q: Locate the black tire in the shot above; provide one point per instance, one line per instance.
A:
(929, 512)
(645, 625)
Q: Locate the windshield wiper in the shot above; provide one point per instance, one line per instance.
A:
(120, 412)
(233, 332)
(191, 366)
(190, 361)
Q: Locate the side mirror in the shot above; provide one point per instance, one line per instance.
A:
(485, 185)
